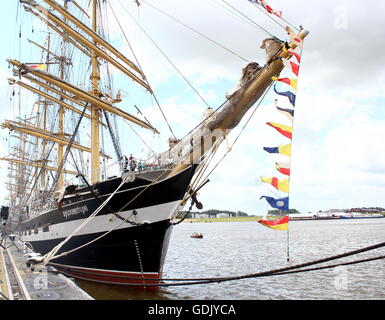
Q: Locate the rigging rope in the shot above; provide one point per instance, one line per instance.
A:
(140, 138)
(272, 17)
(118, 151)
(69, 146)
(253, 22)
(167, 58)
(40, 173)
(140, 67)
(51, 255)
(197, 32)
(213, 151)
(240, 133)
(57, 248)
(268, 15)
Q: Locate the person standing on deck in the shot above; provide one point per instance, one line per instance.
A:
(132, 163)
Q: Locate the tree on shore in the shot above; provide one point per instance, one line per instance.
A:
(213, 213)
(280, 213)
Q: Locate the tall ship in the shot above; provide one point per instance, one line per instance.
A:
(85, 221)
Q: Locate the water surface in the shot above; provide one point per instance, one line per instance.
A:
(237, 248)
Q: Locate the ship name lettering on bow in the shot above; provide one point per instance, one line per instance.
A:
(75, 211)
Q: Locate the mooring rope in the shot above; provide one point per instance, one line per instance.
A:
(255, 275)
(51, 255)
(274, 272)
(124, 220)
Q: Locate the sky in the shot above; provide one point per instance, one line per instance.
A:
(337, 151)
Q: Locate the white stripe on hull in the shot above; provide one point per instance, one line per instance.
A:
(106, 222)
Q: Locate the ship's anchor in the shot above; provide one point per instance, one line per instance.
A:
(194, 199)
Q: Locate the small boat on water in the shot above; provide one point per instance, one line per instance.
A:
(197, 235)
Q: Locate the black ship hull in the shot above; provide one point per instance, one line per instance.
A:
(124, 257)
(125, 242)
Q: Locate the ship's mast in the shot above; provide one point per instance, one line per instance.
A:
(55, 90)
(42, 110)
(60, 181)
(44, 146)
(95, 114)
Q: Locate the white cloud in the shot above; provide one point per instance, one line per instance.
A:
(344, 165)
(356, 145)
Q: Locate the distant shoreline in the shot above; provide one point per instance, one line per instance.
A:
(238, 219)
(232, 219)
